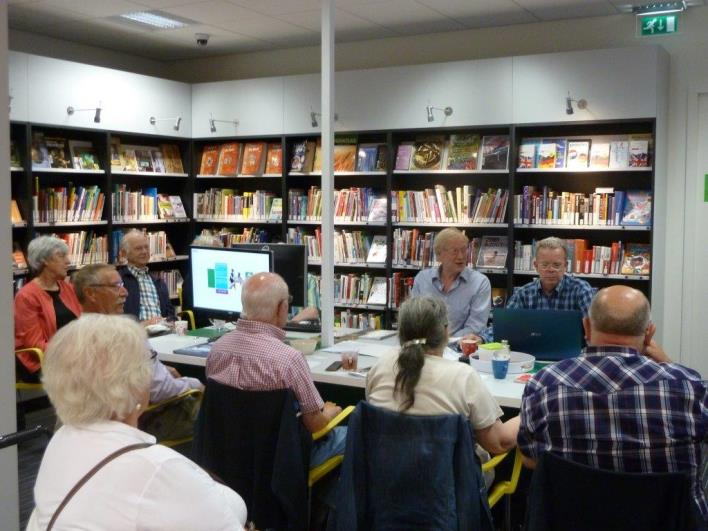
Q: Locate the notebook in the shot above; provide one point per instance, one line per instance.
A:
(549, 335)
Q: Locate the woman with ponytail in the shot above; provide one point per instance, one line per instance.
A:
(419, 381)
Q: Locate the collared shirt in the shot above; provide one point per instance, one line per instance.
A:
(149, 298)
(468, 300)
(614, 409)
(571, 293)
(164, 385)
(253, 357)
(149, 488)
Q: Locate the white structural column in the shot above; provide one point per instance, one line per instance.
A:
(9, 505)
(327, 271)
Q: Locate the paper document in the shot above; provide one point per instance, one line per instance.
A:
(379, 334)
(375, 350)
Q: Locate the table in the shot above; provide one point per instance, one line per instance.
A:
(506, 392)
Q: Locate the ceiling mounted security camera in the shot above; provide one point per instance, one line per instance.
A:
(202, 39)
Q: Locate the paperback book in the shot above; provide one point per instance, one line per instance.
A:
(254, 155)
(495, 152)
(493, 252)
(578, 154)
(210, 160)
(178, 207)
(83, 155)
(229, 159)
(428, 153)
(527, 153)
(637, 259)
(274, 159)
(403, 156)
(463, 152)
(637, 208)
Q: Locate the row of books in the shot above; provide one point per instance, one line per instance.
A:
(412, 247)
(236, 158)
(459, 152)
(225, 204)
(598, 152)
(67, 204)
(356, 204)
(229, 237)
(160, 247)
(359, 289)
(606, 206)
(145, 204)
(173, 279)
(85, 247)
(60, 153)
(618, 258)
(360, 320)
(349, 155)
(15, 215)
(467, 204)
(164, 158)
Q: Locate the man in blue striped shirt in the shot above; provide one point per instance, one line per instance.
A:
(622, 405)
(554, 289)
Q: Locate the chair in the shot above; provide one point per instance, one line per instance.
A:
(254, 441)
(504, 487)
(188, 315)
(410, 472)
(21, 385)
(566, 495)
(172, 421)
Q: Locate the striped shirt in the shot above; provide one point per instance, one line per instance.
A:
(253, 357)
(149, 298)
(614, 409)
(571, 293)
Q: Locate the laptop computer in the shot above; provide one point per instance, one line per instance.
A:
(548, 335)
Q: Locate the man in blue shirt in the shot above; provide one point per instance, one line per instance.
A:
(466, 292)
(554, 289)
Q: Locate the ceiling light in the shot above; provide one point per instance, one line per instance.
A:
(660, 8)
(154, 19)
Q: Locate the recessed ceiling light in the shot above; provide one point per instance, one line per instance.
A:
(155, 19)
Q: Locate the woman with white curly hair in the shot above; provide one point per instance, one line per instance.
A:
(99, 471)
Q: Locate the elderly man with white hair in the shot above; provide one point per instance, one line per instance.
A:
(253, 357)
(137, 484)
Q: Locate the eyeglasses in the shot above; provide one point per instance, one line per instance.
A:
(153, 354)
(557, 266)
(455, 251)
(116, 285)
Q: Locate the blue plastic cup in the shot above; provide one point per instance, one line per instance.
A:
(500, 367)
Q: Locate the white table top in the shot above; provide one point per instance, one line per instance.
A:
(507, 392)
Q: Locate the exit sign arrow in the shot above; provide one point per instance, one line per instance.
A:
(657, 25)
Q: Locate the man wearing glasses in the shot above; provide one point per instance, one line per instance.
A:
(100, 289)
(554, 289)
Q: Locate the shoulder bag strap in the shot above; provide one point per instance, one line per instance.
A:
(90, 474)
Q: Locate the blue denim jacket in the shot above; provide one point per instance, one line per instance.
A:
(410, 472)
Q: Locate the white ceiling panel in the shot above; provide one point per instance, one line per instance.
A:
(43, 10)
(159, 4)
(278, 7)
(477, 8)
(347, 26)
(498, 19)
(211, 12)
(563, 9)
(96, 8)
(403, 16)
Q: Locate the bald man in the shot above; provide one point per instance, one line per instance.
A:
(622, 404)
(148, 297)
(254, 357)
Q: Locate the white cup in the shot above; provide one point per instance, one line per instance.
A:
(180, 327)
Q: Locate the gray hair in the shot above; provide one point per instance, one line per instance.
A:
(128, 238)
(88, 275)
(422, 325)
(261, 295)
(552, 243)
(630, 319)
(97, 368)
(42, 249)
(445, 236)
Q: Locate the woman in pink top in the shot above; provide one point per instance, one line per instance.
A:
(45, 304)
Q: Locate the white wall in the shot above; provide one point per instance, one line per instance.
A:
(9, 508)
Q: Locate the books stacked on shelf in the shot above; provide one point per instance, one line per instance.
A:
(313, 242)
(231, 237)
(15, 215)
(165, 158)
(18, 257)
(173, 279)
(59, 153)
(400, 287)
(160, 247)
(467, 204)
(413, 248)
(225, 204)
(85, 247)
(349, 156)
(313, 290)
(599, 152)
(618, 258)
(66, 203)
(354, 204)
(170, 207)
(305, 207)
(358, 289)
(362, 321)
(459, 152)
(606, 206)
(138, 205)
(351, 247)
(493, 252)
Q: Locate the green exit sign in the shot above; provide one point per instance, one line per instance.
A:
(657, 24)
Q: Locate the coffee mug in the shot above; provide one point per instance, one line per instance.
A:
(180, 327)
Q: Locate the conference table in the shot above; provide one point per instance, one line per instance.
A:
(507, 392)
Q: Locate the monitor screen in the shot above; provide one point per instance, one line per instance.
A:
(218, 274)
(290, 262)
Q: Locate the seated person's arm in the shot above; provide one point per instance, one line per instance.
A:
(28, 331)
(499, 437)
(317, 420)
(310, 313)
(164, 385)
(478, 315)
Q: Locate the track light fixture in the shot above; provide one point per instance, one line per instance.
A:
(660, 8)
(70, 110)
(177, 121)
(581, 103)
(314, 115)
(447, 111)
(212, 123)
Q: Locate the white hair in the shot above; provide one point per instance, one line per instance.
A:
(128, 237)
(552, 243)
(97, 368)
(42, 249)
(261, 295)
(446, 236)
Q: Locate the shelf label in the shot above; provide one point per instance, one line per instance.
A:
(657, 25)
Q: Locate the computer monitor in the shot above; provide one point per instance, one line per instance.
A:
(218, 275)
(290, 262)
